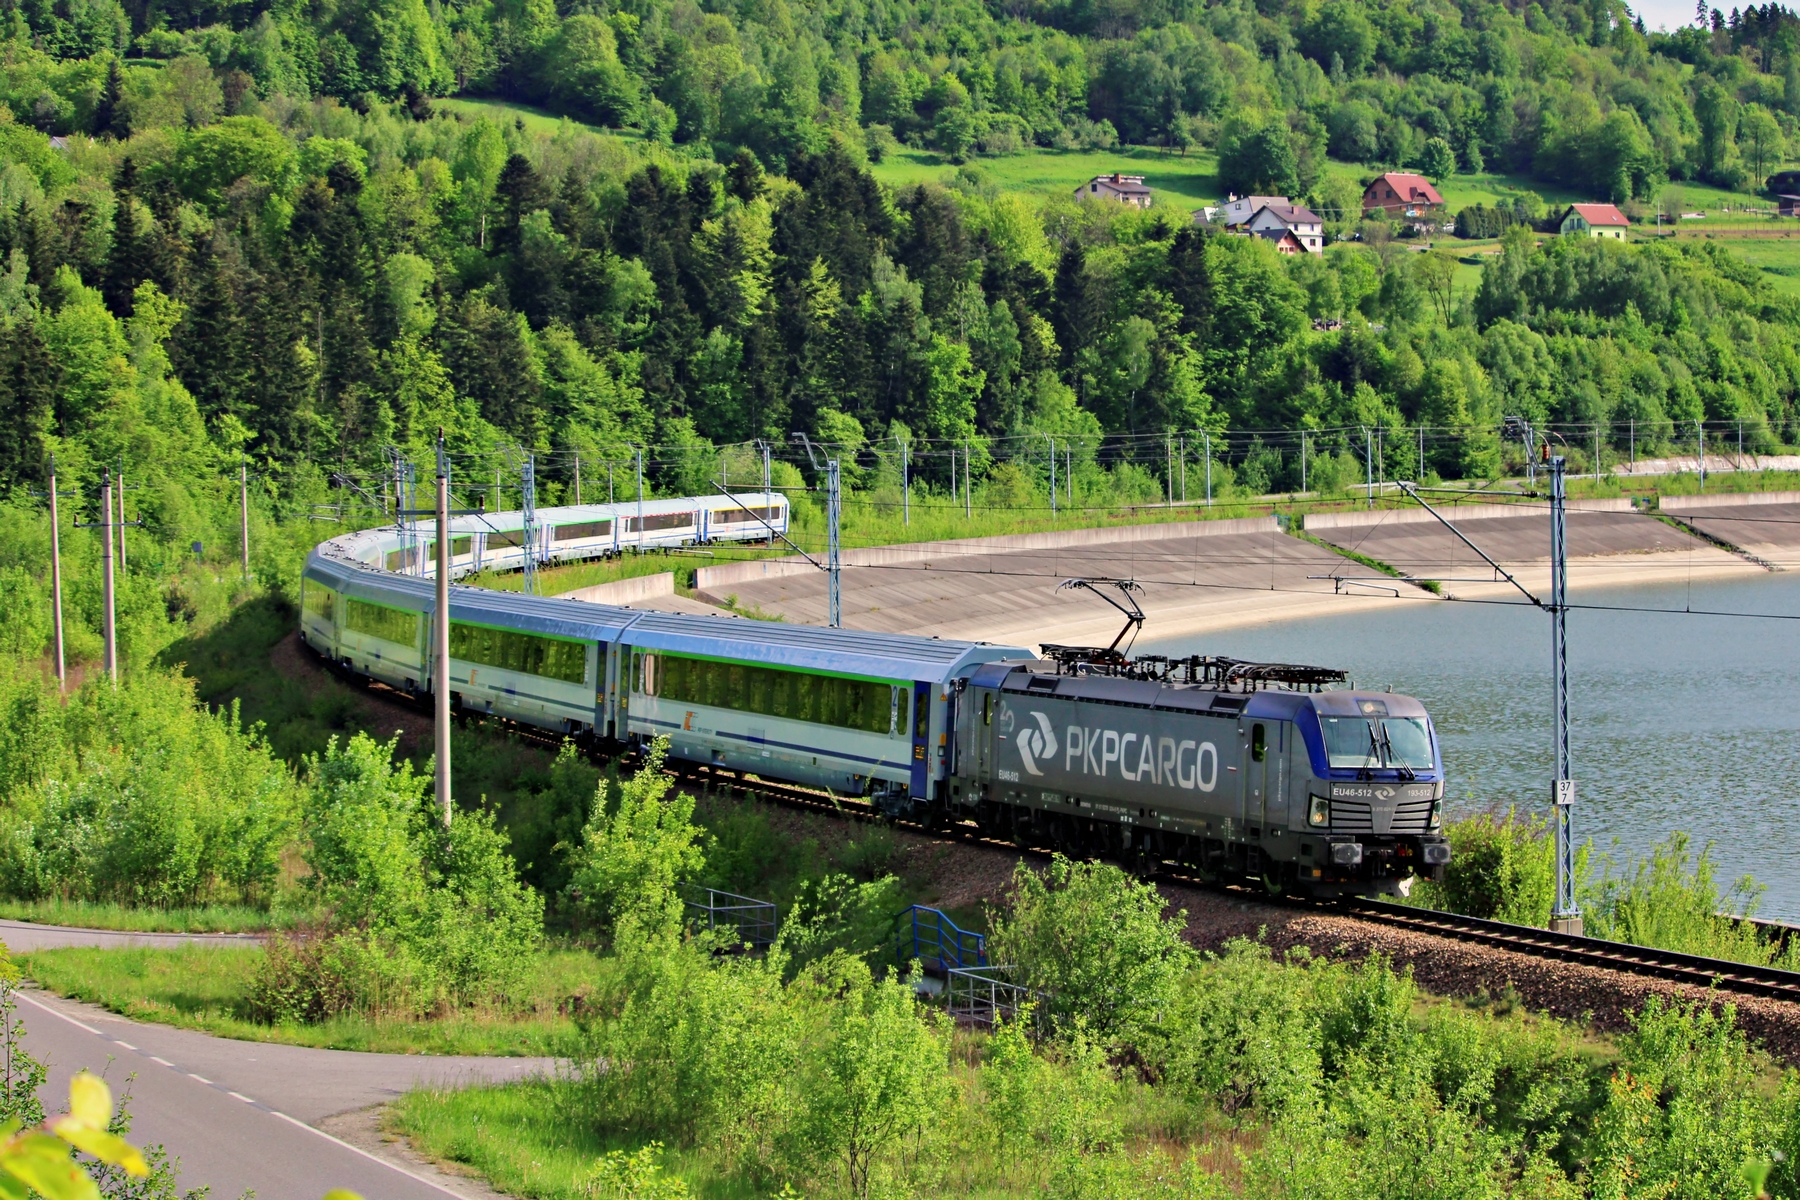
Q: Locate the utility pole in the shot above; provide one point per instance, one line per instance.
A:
(111, 662)
(905, 482)
(1168, 468)
(1565, 918)
(528, 534)
(1208, 436)
(1052, 476)
(56, 579)
(767, 481)
(1184, 468)
(1369, 463)
(640, 516)
(243, 516)
(968, 493)
(1303, 461)
(578, 479)
(833, 514)
(440, 631)
(122, 567)
(1700, 441)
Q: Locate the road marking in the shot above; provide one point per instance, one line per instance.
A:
(127, 1045)
(200, 1078)
(374, 1158)
(165, 1062)
(240, 1096)
(63, 1015)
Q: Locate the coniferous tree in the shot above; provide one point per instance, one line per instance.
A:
(27, 403)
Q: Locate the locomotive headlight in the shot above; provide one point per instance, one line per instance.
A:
(1320, 812)
(1437, 813)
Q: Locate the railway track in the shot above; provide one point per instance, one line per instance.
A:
(1721, 974)
(1594, 952)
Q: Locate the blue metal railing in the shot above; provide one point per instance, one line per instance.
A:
(936, 941)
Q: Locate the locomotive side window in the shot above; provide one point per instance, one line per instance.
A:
(1259, 746)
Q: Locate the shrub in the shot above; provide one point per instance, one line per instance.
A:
(420, 916)
(1096, 942)
(624, 877)
(874, 1074)
(141, 795)
(1502, 869)
(1240, 1034)
(1670, 901)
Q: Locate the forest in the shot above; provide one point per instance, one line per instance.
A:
(234, 233)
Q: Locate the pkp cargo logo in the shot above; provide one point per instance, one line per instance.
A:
(1037, 743)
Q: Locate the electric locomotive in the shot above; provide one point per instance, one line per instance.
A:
(1239, 771)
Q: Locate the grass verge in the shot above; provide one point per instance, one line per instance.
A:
(205, 918)
(526, 1139)
(207, 988)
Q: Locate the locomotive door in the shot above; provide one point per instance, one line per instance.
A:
(1256, 774)
(921, 752)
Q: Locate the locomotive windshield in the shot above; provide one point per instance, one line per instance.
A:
(1366, 742)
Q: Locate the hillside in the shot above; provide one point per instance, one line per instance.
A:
(233, 231)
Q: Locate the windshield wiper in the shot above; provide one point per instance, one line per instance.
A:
(1387, 755)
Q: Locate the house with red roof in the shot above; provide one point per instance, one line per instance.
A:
(1595, 220)
(1400, 194)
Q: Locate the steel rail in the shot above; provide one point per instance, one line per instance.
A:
(1595, 952)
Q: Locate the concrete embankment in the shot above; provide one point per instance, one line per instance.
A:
(1205, 575)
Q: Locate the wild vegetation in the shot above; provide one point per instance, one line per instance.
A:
(1163, 1073)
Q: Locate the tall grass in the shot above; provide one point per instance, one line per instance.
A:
(209, 988)
(206, 918)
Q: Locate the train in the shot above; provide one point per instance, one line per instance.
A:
(1280, 776)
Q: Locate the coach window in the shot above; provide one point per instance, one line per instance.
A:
(1259, 748)
(921, 716)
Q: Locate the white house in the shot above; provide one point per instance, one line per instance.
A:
(1239, 209)
(1271, 220)
(1125, 189)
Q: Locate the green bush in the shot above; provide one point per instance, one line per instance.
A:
(1670, 901)
(1502, 868)
(1096, 942)
(624, 877)
(139, 794)
(419, 916)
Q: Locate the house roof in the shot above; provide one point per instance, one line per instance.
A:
(1599, 214)
(1132, 184)
(1289, 214)
(1415, 188)
(1278, 236)
(1256, 202)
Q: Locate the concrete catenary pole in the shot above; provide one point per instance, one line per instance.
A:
(111, 660)
(440, 634)
(244, 515)
(56, 579)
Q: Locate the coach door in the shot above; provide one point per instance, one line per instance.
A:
(921, 750)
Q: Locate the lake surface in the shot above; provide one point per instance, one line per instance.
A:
(1678, 722)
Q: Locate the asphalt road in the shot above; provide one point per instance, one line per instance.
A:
(239, 1115)
(22, 936)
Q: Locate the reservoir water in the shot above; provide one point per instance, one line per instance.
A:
(1678, 722)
